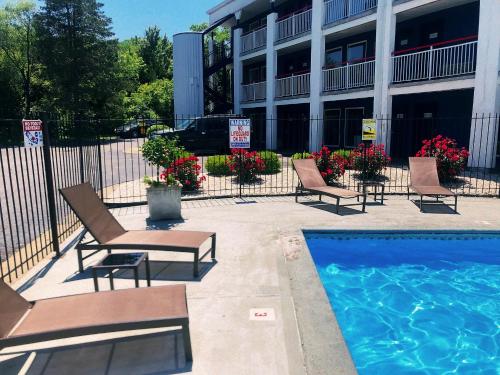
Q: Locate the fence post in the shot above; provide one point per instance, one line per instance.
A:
(49, 183)
(99, 158)
(79, 130)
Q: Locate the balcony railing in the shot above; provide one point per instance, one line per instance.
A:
(296, 24)
(349, 76)
(294, 85)
(253, 92)
(435, 62)
(254, 40)
(336, 10)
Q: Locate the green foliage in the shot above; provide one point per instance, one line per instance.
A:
(218, 165)
(130, 65)
(301, 155)
(17, 64)
(271, 161)
(155, 128)
(163, 180)
(346, 154)
(156, 52)
(76, 46)
(161, 152)
(150, 100)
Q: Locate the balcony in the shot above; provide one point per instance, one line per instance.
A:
(336, 10)
(254, 40)
(350, 76)
(436, 61)
(293, 25)
(293, 85)
(253, 92)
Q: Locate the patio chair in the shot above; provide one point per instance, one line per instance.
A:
(310, 181)
(23, 322)
(109, 235)
(425, 180)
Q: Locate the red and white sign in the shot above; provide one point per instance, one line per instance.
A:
(239, 133)
(32, 130)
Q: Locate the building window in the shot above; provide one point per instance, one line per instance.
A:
(333, 57)
(356, 51)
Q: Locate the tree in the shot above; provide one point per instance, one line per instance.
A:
(156, 51)
(151, 100)
(130, 64)
(79, 53)
(16, 44)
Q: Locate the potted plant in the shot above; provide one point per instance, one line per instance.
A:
(163, 192)
(164, 197)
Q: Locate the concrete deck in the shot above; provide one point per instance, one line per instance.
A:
(262, 262)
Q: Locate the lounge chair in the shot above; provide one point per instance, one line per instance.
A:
(23, 322)
(109, 235)
(310, 181)
(425, 180)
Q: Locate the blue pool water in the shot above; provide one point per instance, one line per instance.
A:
(414, 303)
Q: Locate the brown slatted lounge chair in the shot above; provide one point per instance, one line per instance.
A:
(23, 322)
(312, 182)
(109, 235)
(425, 180)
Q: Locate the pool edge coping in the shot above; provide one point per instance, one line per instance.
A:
(324, 348)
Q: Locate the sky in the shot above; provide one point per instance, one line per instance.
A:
(132, 17)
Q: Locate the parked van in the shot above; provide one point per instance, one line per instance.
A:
(202, 135)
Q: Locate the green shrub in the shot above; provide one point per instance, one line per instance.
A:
(155, 128)
(301, 155)
(217, 165)
(161, 152)
(271, 161)
(346, 154)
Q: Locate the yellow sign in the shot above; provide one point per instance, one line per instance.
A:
(369, 130)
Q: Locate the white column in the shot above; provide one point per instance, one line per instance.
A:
(317, 62)
(384, 46)
(237, 71)
(483, 139)
(271, 71)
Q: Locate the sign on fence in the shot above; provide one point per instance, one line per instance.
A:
(32, 130)
(239, 133)
(369, 130)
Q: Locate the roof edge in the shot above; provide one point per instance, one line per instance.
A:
(219, 6)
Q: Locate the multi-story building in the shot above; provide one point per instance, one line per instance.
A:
(336, 62)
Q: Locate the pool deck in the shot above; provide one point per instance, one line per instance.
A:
(262, 262)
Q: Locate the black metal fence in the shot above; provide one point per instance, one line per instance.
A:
(107, 152)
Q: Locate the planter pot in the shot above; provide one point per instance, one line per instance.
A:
(164, 202)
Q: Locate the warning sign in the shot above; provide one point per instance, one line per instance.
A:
(239, 133)
(369, 130)
(32, 130)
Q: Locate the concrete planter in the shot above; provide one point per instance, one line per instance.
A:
(164, 202)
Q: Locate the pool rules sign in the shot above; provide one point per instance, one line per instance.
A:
(239, 133)
(32, 130)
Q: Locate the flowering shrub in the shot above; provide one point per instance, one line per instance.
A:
(186, 170)
(369, 161)
(450, 159)
(246, 165)
(331, 166)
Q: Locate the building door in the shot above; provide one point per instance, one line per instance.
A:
(331, 128)
(353, 126)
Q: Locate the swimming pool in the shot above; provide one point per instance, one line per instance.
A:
(414, 302)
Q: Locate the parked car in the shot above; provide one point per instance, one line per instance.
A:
(134, 128)
(202, 135)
